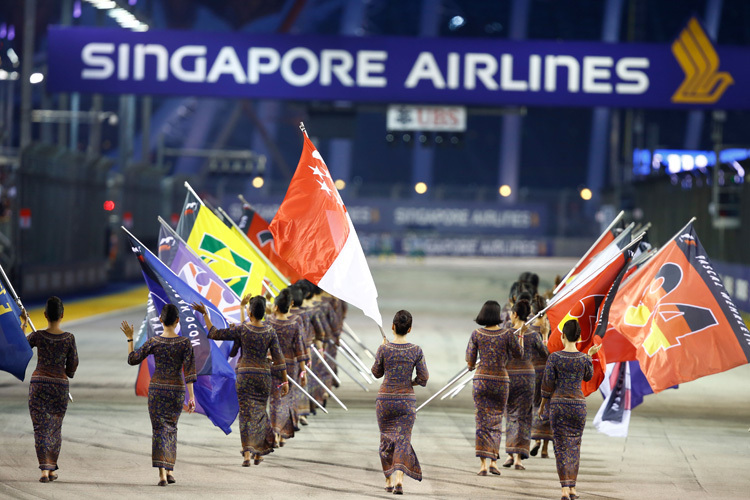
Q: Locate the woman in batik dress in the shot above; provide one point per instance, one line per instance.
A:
(494, 347)
(173, 354)
(564, 404)
(284, 417)
(521, 389)
(541, 431)
(254, 377)
(57, 360)
(396, 402)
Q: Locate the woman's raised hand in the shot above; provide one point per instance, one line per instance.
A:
(199, 308)
(594, 349)
(127, 329)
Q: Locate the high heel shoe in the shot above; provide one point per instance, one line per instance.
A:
(389, 489)
(508, 462)
(44, 479)
(257, 460)
(398, 490)
(161, 483)
(246, 463)
(535, 449)
(52, 476)
(494, 470)
(170, 479)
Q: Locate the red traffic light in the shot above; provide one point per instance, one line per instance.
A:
(109, 205)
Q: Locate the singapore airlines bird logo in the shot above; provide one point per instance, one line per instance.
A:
(703, 83)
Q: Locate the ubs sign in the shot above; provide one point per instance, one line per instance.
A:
(692, 73)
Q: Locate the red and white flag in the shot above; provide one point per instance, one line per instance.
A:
(315, 236)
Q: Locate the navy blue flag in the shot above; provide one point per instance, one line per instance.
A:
(15, 351)
(215, 392)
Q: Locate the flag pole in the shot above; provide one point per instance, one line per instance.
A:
(642, 230)
(364, 388)
(355, 365)
(325, 388)
(190, 188)
(348, 330)
(351, 352)
(601, 236)
(290, 379)
(303, 129)
(327, 366)
(450, 383)
(15, 296)
(452, 393)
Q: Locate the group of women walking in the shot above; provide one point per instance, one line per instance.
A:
(516, 378)
(538, 393)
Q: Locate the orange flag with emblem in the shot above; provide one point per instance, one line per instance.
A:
(678, 315)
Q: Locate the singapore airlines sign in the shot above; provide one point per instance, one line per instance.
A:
(392, 69)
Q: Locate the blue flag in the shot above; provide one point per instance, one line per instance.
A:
(15, 351)
(215, 392)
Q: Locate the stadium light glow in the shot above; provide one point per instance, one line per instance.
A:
(586, 194)
(35, 78)
(340, 184)
(420, 188)
(258, 182)
(505, 190)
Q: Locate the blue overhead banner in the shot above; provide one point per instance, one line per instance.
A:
(690, 73)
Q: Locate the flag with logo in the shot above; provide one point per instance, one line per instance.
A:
(616, 347)
(589, 303)
(315, 235)
(678, 315)
(215, 392)
(257, 230)
(15, 351)
(220, 248)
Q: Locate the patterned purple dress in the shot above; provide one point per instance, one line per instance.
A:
(166, 392)
(561, 385)
(540, 429)
(57, 360)
(395, 405)
(322, 329)
(490, 386)
(254, 381)
(284, 417)
(521, 394)
(302, 314)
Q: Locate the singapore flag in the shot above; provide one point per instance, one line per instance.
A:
(315, 235)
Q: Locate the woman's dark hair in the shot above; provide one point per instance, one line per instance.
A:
(258, 307)
(534, 281)
(537, 304)
(54, 308)
(307, 288)
(524, 296)
(489, 315)
(514, 290)
(402, 322)
(283, 300)
(525, 277)
(170, 315)
(572, 330)
(298, 296)
(522, 309)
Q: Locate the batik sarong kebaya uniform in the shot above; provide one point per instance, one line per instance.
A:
(521, 394)
(284, 417)
(321, 330)
(57, 360)
(561, 385)
(303, 316)
(494, 349)
(166, 392)
(395, 406)
(254, 381)
(540, 429)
